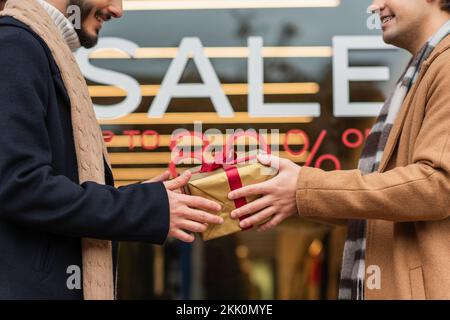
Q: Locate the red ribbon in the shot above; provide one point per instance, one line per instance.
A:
(233, 177)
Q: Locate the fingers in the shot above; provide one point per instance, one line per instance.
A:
(257, 218)
(192, 226)
(251, 208)
(162, 177)
(203, 217)
(274, 162)
(181, 235)
(178, 182)
(251, 190)
(276, 220)
(201, 203)
(270, 160)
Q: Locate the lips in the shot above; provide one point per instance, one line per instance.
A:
(98, 17)
(386, 19)
(101, 18)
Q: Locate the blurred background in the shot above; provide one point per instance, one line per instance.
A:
(300, 259)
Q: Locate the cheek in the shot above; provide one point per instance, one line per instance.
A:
(410, 15)
(410, 22)
(100, 3)
(89, 25)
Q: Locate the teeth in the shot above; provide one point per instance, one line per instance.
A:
(387, 19)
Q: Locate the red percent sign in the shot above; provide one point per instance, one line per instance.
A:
(353, 138)
(313, 152)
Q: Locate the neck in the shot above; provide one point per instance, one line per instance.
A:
(432, 26)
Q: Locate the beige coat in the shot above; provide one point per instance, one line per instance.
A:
(407, 202)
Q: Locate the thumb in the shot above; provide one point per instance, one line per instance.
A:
(269, 160)
(178, 182)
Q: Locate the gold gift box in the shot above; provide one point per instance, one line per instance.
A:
(215, 186)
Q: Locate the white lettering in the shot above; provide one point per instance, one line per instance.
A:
(74, 280)
(256, 105)
(343, 74)
(171, 88)
(127, 83)
(374, 277)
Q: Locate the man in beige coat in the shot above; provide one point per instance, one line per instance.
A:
(405, 202)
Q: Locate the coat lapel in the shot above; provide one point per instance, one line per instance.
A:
(397, 128)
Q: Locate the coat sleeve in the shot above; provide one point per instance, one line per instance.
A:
(31, 195)
(417, 192)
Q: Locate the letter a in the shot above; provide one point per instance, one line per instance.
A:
(171, 88)
(74, 280)
(374, 277)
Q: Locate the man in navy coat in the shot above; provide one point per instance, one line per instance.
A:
(44, 211)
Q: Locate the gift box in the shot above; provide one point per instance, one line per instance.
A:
(216, 181)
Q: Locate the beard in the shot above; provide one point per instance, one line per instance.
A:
(86, 40)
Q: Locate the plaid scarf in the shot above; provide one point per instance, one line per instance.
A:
(353, 263)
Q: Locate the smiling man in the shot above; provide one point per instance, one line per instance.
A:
(397, 203)
(93, 15)
(59, 209)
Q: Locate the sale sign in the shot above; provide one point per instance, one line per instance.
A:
(139, 151)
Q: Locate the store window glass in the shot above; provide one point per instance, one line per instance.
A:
(316, 72)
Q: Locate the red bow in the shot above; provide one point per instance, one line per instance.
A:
(234, 180)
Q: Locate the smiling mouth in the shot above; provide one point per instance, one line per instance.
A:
(100, 17)
(386, 19)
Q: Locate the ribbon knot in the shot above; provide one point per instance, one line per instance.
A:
(209, 167)
(233, 177)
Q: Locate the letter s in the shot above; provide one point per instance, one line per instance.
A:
(96, 74)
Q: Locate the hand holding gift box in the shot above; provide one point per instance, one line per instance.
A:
(215, 181)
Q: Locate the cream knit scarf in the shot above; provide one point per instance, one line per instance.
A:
(65, 27)
(89, 146)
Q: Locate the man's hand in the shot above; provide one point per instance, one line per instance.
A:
(278, 195)
(161, 178)
(187, 212)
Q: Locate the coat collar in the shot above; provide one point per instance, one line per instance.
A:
(400, 120)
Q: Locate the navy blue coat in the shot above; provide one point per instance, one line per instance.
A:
(44, 211)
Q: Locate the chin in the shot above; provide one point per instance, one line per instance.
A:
(387, 39)
(391, 37)
(87, 40)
